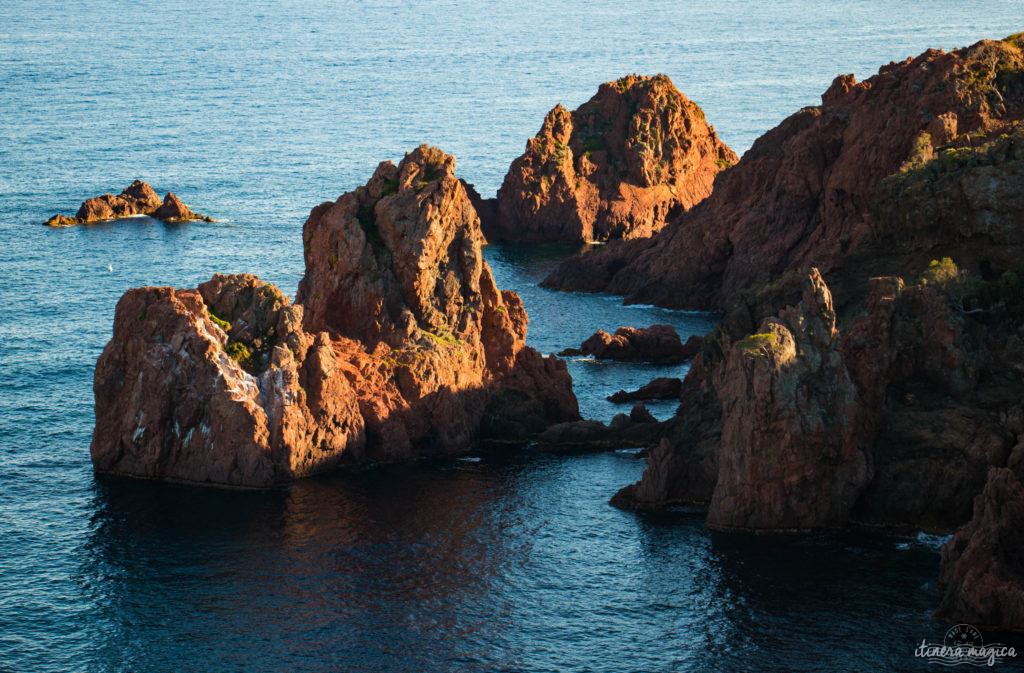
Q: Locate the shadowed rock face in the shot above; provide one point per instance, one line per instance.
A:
(399, 345)
(835, 187)
(982, 570)
(617, 167)
(790, 457)
(893, 422)
(661, 388)
(137, 199)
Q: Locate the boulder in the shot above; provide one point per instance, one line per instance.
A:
(173, 209)
(637, 429)
(620, 166)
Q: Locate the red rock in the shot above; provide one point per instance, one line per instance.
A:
(100, 208)
(399, 345)
(981, 571)
(682, 468)
(844, 184)
(657, 343)
(141, 197)
(171, 403)
(922, 161)
(638, 429)
(173, 209)
(790, 456)
(136, 199)
(661, 388)
(617, 167)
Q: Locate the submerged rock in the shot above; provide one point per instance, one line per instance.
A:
(982, 571)
(136, 199)
(618, 167)
(399, 345)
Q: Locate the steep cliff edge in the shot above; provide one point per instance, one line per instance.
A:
(914, 173)
(894, 421)
(619, 166)
(399, 345)
(791, 455)
(814, 192)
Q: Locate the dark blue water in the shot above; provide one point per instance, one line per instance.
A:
(255, 113)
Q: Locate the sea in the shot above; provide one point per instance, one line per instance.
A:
(255, 112)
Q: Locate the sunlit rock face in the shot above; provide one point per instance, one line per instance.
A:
(399, 345)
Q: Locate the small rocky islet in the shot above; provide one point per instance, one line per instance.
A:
(864, 256)
(137, 198)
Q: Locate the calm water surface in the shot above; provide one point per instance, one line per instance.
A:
(253, 114)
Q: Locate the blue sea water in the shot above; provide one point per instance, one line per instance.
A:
(255, 112)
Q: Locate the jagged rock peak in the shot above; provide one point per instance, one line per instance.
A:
(617, 167)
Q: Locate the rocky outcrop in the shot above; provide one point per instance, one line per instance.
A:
(829, 187)
(682, 469)
(177, 398)
(137, 199)
(982, 571)
(944, 402)
(657, 343)
(790, 456)
(661, 388)
(637, 429)
(892, 423)
(619, 166)
(172, 209)
(399, 345)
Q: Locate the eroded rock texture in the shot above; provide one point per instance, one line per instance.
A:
(399, 345)
(925, 155)
(790, 456)
(982, 570)
(620, 166)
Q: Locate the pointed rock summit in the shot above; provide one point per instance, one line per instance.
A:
(399, 345)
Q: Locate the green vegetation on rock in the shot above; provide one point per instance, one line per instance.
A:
(240, 353)
(760, 344)
(220, 322)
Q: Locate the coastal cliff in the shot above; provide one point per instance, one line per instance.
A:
(619, 166)
(900, 199)
(399, 345)
(889, 179)
(827, 188)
